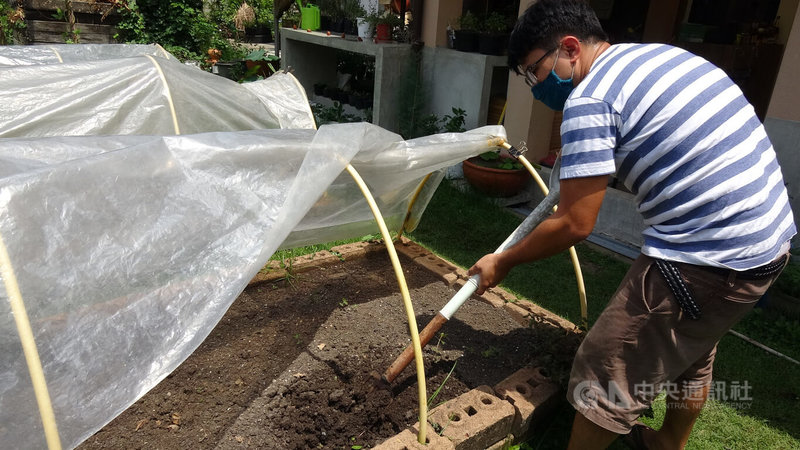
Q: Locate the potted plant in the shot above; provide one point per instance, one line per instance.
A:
(496, 175)
(466, 36)
(261, 29)
(260, 64)
(493, 38)
(384, 23)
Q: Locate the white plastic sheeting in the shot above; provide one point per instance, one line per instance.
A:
(128, 250)
(142, 95)
(23, 55)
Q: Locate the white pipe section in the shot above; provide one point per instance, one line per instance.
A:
(539, 213)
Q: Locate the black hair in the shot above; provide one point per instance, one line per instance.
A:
(545, 22)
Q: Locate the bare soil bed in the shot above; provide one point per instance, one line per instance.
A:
(289, 364)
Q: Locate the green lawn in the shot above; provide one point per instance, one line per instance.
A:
(462, 227)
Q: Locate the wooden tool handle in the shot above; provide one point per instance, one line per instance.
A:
(408, 354)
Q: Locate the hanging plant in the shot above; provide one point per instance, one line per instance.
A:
(244, 17)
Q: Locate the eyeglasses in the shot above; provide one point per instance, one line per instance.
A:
(530, 71)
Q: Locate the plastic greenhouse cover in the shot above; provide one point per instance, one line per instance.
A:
(129, 249)
(130, 239)
(142, 95)
(23, 55)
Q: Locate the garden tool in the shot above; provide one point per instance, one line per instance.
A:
(532, 221)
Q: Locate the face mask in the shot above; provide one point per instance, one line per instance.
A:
(553, 91)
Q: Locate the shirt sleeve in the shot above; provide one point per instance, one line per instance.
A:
(589, 134)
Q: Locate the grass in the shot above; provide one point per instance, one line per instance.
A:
(462, 227)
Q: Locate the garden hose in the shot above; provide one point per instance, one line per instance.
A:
(401, 281)
(29, 349)
(576, 265)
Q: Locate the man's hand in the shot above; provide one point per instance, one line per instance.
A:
(491, 270)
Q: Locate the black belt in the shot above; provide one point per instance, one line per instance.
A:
(758, 273)
(684, 296)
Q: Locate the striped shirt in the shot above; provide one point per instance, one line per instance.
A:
(683, 139)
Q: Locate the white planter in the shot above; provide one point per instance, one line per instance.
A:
(364, 28)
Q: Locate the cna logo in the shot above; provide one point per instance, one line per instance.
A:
(588, 394)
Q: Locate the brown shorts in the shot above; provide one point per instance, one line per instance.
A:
(642, 343)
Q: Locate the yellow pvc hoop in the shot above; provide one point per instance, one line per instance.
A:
(168, 94)
(412, 320)
(412, 203)
(29, 350)
(57, 54)
(573, 254)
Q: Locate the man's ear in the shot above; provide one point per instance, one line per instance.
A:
(571, 45)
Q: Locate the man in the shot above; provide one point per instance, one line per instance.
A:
(681, 136)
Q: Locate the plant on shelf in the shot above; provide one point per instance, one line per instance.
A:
(466, 36)
(384, 23)
(493, 38)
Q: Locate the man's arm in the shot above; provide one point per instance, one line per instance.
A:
(574, 220)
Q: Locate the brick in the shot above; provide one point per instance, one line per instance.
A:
(313, 261)
(492, 298)
(474, 420)
(435, 264)
(355, 249)
(502, 445)
(547, 316)
(532, 394)
(520, 315)
(270, 272)
(407, 440)
(411, 249)
(450, 278)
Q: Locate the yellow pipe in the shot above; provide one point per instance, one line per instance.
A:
(412, 321)
(57, 55)
(576, 265)
(412, 202)
(168, 94)
(29, 349)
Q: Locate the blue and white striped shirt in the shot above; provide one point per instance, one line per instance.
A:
(681, 136)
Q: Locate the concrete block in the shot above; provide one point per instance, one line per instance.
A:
(520, 315)
(493, 299)
(411, 249)
(474, 420)
(450, 278)
(502, 445)
(355, 249)
(436, 265)
(532, 394)
(313, 261)
(270, 272)
(407, 440)
(540, 313)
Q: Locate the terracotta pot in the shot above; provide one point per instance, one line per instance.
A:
(495, 182)
(383, 32)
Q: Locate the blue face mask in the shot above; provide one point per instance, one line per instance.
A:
(553, 91)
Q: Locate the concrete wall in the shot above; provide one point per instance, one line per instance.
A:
(436, 15)
(527, 120)
(783, 116)
(312, 57)
(458, 79)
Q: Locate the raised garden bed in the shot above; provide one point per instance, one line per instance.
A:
(289, 364)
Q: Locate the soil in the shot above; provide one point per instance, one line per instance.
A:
(289, 364)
